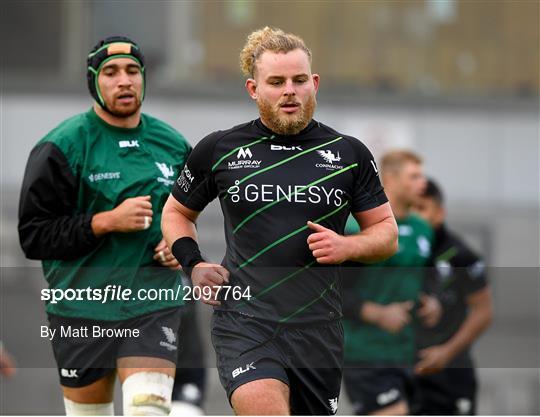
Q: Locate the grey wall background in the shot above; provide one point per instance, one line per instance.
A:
(456, 81)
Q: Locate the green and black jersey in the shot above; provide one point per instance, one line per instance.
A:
(269, 186)
(458, 273)
(86, 166)
(399, 278)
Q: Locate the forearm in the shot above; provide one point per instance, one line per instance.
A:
(478, 319)
(374, 244)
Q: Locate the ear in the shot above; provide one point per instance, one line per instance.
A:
(316, 80)
(251, 87)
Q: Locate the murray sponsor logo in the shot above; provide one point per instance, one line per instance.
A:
(185, 179)
(166, 172)
(245, 159)
(268, 193)
(128, 143)
(103, 176)
(329, 157)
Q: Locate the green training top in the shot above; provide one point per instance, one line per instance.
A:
(399, 278)
(86, 166)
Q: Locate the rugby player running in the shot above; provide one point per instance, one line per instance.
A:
(286, 184)
(90, 191)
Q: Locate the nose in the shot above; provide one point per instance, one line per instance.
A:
(289, 88)
(124, 79)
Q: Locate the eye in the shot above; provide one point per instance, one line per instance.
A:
(276, 82)
(301, 80)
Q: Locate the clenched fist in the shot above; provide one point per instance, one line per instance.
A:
(132, 215)
(327, 246)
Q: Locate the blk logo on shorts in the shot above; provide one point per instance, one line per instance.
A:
(241, 370)
(69, 373)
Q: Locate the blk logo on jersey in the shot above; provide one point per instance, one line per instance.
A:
(244, 160)
(166, 172)
(285, 148)
(329, 157)
(128, 143)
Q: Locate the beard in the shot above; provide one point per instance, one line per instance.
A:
(287, 124)
(122, 111)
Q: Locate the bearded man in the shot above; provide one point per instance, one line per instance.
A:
(286, 185)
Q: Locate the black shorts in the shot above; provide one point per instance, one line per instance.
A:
(309, 359)
(86, 350)
(449, 392)
(373, 388)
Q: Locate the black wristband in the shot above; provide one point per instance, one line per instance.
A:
(187, 253)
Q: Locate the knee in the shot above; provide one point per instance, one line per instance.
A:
(261, 397)
(147, 394)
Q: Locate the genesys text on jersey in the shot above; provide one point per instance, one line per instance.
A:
(119, 293)
(312, 194)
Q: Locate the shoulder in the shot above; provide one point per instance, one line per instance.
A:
(420, 225)
(465, 256)
(356, 144)
(211, 140)
(68, 138)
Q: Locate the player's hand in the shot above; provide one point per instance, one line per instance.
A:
(430, 310)
(132, 215)
(209, 275)
(391, 317)
(432, 359)
(327, 246)
(163, 255)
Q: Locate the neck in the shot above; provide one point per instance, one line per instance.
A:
(399, 208)
(129, 122)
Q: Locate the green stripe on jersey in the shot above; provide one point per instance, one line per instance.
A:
(293, 233)
(277, 284)
(320, 297)
(266, 207)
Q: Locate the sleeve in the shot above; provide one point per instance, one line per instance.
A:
(49, 226)
(195, 187)
(368, 191)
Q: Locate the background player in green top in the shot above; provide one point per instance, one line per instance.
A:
(380, 303)
(286, 185)
(90, 209)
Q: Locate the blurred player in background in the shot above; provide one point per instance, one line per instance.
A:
(91, 189)
(445, 371)
(382, 302)
(286, 185)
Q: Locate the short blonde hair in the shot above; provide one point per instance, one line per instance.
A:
(394, 160)
(268, 39)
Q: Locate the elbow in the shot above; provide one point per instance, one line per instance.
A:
(392, 247)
